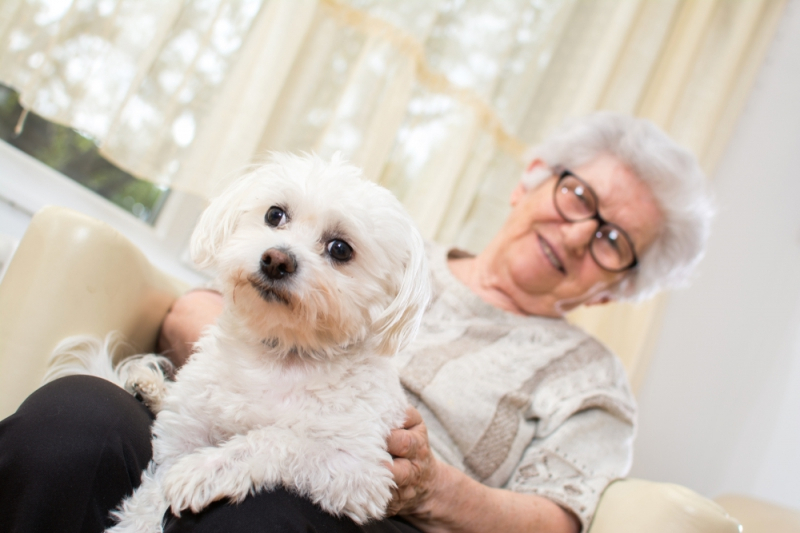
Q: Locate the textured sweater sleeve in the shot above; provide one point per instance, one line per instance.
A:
(574, 464)
(584, 435)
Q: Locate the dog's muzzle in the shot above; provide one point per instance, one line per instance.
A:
(278, 264)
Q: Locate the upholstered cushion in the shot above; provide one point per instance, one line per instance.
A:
(638, 506)
(73, 275)
(758, 516)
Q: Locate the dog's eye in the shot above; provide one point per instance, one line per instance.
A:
(339, 250)
(276, 217)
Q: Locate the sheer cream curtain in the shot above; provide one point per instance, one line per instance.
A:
(436, 99)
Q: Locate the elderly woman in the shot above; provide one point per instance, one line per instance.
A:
(519, 420)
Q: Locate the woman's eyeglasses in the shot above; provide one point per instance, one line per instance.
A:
(610, 247)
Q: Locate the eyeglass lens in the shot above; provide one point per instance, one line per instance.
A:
(610, 247)
(575, 200)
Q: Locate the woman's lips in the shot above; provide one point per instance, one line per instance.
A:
(550, 254)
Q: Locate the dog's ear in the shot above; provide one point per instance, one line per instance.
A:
(218, 222)
(399, 322)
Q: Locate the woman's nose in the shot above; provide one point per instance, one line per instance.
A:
(578, 235)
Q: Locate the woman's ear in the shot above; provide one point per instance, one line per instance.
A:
(601, 298)
(536, 172)
(517, 194)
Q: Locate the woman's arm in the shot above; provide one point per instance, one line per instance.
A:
(185, 322)
(437, 497)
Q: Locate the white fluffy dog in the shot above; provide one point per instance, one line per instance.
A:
(324, 277)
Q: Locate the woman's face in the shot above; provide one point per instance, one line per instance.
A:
(543, 262)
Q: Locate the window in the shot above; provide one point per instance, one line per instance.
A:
(76, 156)
(33, 166)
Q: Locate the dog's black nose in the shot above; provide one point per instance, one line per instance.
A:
(276, 264)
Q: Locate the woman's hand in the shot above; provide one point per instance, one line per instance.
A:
(414, 467)
(185, 322)
(438, 498)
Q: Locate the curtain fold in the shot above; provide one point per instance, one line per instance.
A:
(435, 99)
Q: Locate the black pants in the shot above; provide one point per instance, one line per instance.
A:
(77, 446)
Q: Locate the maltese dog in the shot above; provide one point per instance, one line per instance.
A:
(324, 277)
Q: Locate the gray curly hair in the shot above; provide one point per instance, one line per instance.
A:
(671, 172)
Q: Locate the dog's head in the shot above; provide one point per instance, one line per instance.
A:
(314, 258)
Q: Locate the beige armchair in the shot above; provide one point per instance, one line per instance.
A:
(74, 275)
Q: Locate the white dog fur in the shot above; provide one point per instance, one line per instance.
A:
(294, 385)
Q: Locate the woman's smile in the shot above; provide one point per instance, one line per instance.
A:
(550, 254)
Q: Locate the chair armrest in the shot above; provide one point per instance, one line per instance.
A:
(635, 506)
(759, 516)
(73, 275)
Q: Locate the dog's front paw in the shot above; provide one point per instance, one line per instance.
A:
(148, 392)
(362, 493)
(145, 379)
(370, 496)
(196, 480)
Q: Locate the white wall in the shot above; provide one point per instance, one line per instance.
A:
(720, 408)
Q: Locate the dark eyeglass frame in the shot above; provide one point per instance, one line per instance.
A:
(562, 175)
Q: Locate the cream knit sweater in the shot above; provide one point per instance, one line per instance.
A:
(531, 404)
